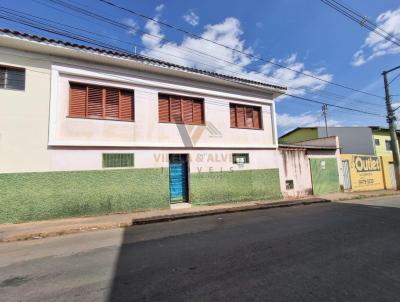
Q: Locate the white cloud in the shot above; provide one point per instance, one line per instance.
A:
(308, 119)
(191, 18)
(298, 83)
(229, 33)
(153, 40)
(159, 8)
(375, 45)
(132, 24)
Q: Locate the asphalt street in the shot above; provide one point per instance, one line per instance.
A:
(320, 252)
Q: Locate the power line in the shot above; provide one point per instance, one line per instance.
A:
(361, 20)
(213, 102)
(94, 33)
(394, 78)
(364, 19)
(258, 58)
(20, 14)
(110, 47)
(332, 105)
(180, 48)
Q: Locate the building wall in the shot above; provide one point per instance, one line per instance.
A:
(202, 160)
(35, 130)
(146, 130)
(352, 140)
(56, 161)
(386, 160)
(24, 116)
(213, 178)
(382, 136)
(294, 166)
(366, 172)
(299, 135)
(48, 195)
(244, 185)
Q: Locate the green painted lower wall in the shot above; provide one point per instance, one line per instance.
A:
(246, 185)
(38, 196)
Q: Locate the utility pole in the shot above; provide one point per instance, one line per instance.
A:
(391, 119)
(325, 113)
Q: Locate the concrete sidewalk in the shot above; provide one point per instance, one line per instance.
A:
(48, 228)
(357, 195)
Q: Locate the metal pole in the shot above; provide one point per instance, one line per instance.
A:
(391, 119)
(325, 113)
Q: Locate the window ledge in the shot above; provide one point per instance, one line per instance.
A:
(247, 128)
(100, 119)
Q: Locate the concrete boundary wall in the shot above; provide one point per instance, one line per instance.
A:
(367, 172)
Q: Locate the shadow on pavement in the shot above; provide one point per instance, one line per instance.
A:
(320, 252)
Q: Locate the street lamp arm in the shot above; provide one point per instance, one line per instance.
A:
(390, 70)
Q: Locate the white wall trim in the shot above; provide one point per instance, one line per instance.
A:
(54, 82)
(77, 143)
(103, 74)
(274, 124)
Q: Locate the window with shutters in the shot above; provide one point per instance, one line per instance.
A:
(12, 78)
(91, 101)
(243, 116)
(180, 109)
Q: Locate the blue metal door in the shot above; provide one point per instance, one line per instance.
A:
(178, 177)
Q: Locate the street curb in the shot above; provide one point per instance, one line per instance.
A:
(164, 218)
(260, 206)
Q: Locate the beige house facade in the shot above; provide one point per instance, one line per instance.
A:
(41, 133)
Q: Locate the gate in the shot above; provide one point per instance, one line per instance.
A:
(346, 175)
(178, 177)
(392, 176)
(325, 175)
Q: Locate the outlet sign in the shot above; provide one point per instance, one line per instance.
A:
(366, 163)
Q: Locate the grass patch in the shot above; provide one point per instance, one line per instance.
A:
(39, 196)
(246, 185)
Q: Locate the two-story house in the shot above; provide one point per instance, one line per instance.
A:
(132, 131)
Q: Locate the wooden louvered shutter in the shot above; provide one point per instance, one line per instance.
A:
(232, 111)
(240, 116)
(257, 118)
(95, 101)
(126, 105)
(163, 108)
(187, 110)
(176, 109)
(249, 117)
(112, 103)
(198, 112)
(77, 103)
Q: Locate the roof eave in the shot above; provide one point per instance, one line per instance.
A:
(11, 41)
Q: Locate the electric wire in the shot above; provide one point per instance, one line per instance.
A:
(258, 58)
(160, 38)
(362, 21)
(110, 47)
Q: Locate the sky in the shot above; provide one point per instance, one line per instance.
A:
(304, 35)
